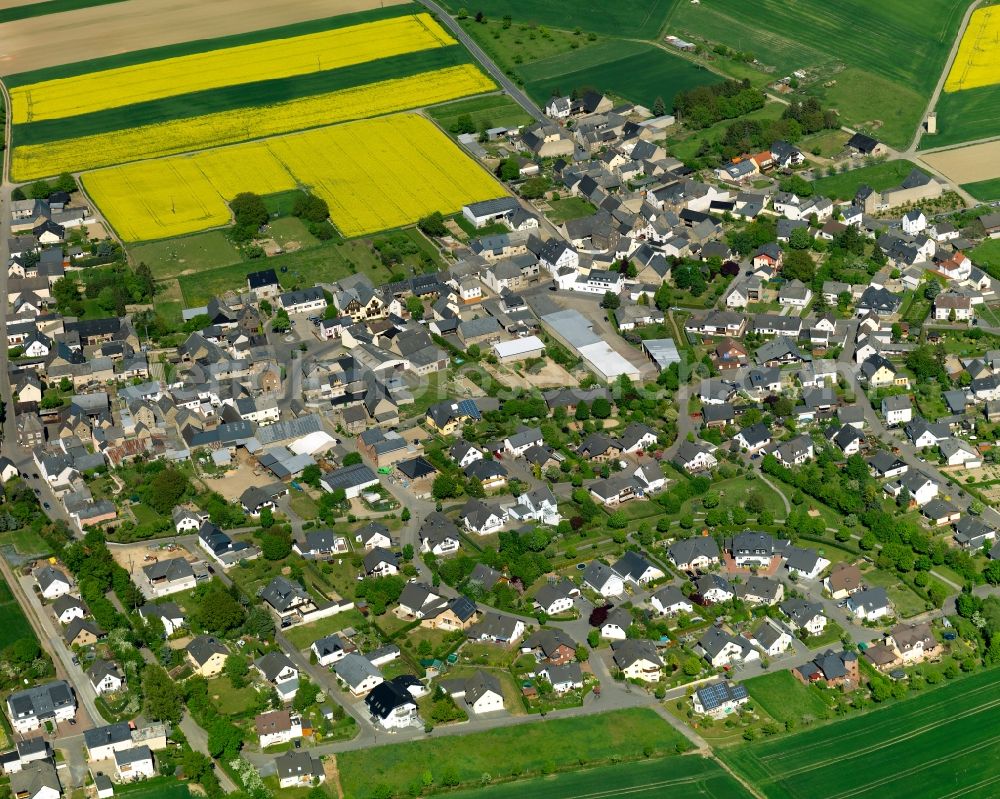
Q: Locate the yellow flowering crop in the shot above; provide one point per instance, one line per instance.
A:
(384, 173)
(977, 62)
(375, 174)
(243, 124)
(278, 58)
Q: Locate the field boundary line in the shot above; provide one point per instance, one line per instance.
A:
(893, 741)
(892, 723)
(920, 767)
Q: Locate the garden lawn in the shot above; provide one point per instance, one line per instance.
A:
(938, 743)
(784, 698)
(569, 208)
(303, 635)
(490, 111)
(231, 701)
(25, 541)
(15, 624)
(290, 230)
(907, 603)
(638, 72)
(526, 749)
(987, 254)
(156, 788)
(303, 505)
(734, 492)
(879, 176)
(185, 254)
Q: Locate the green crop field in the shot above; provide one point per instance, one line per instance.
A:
(895, 57)
(526, 750)
(635, 19)
(15, 625)
(965, 116)
(879, 176)
(784, 698)
(633, 70)
(985, 190)
(684, 777)
(492, 111)
(941, 743)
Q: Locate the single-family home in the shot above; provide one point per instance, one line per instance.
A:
(870, 604)
(277, 727)
(637, 659)
(719, 699)
(694, 554)
(721, 648)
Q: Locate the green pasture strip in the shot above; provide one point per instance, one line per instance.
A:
(205, 45)
(49, 7)
(639, 19)
(227, 98)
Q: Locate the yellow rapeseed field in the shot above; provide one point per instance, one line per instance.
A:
(228, 127)
(375, 174)
(977, 62)
(278, 58)
(384, 173)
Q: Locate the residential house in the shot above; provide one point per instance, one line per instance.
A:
(694, 554)
(164, 577)
(496, 628)
(713, 589)
(105, 677)
(637, 659)
(278, 669)
(207, 655)
(719, 699)
(835, 669)
(277, 727)
(299, 769)
(669, 601)
(52, 583)
(30, 708)
(554, 599)
(804, 615)
(843, 580)
(897, 409)
(870, 604)
(358, 673)
(134, 764)
(804, 564)
(602, 579)
(391, 706)
(721, 648)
